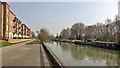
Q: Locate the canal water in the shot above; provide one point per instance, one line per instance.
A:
(82, 55)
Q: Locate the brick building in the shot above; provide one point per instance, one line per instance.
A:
(10, 26)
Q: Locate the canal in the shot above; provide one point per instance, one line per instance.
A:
(82, 55)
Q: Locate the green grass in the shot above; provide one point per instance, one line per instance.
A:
(36, 41)
(5, 43)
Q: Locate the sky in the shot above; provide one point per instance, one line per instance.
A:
(56, 16)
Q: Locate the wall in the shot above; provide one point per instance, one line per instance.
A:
(11, 24)
(17, 40)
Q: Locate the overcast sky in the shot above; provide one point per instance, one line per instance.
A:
(56, 16)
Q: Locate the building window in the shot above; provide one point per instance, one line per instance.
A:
(13, 26)
(6, 27)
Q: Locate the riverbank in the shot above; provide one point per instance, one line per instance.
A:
(80, 55)
(100, 44)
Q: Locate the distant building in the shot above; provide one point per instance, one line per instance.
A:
(10, 26)
(119, 8)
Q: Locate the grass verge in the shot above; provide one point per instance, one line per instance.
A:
(5, 43)
(36, 41)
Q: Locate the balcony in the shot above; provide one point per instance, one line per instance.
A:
(15, 19)
(14, 26)
(19, 27)
(15, 31)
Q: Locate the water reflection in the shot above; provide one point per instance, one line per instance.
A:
(81, 55)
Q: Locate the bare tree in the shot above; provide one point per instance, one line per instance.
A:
(103, 32)
(65, 33)
(78, 29)
(117, 21)
(43, 35)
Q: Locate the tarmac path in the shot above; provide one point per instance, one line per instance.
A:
(21, 55)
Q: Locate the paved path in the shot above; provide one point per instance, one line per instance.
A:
(22, 55)
(27, 56)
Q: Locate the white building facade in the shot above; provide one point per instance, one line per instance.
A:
(119, 8)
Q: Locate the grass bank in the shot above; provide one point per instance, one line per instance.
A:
(36, 41)
(5, 43)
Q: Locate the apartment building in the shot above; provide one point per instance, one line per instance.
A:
(10, 26)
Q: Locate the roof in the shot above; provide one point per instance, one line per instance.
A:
(5, 3)
(12, 12)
